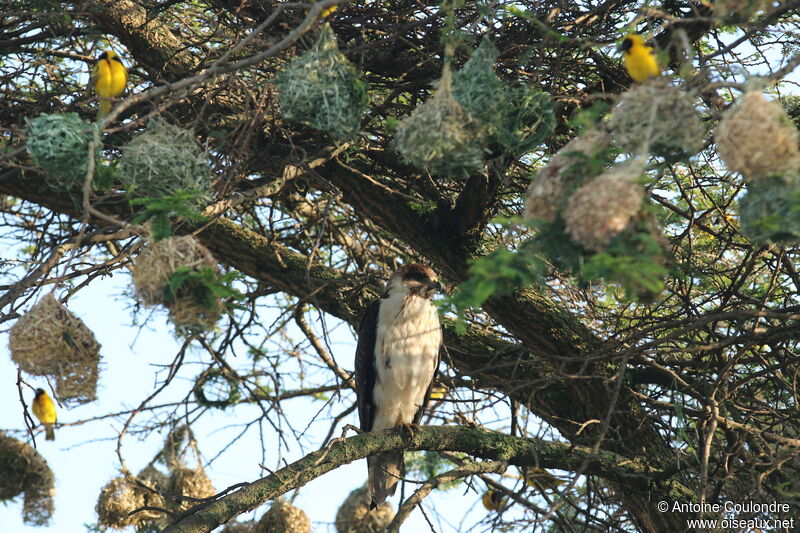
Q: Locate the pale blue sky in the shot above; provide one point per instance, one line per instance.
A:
(83, 457)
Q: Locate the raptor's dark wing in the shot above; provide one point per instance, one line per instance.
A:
(366, 374)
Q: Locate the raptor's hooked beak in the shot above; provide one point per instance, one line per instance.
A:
(429, 289)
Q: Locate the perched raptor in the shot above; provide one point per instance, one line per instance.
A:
(396, 361)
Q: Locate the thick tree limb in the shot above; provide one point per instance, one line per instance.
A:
(476, 442)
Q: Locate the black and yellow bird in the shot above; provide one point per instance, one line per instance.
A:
(494, 501)
(109, 79)
(541, 478)
(639, 59)
(45, 411)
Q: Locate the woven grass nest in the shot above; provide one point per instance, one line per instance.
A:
(440, 136)
(50, 340)
(738, 10)
(602, 208)
(323, 89)
(59, 144)
(515, 119)
(120, 497)
(189, 483)
(23, 470)
(659, 118)
(283, 517)
(770, 211)
(546, 191)
(163, 160)
(478, 89)
(155, 268)
(354, 515)
(757, 138)
(159, 482)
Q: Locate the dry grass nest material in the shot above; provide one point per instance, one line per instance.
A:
(23, 469)
(153, 269)
(50, 340)
(354, 515)
(190, 316)
(59, 144)
(283, 517)
(120, 497)
(738, 10)
(659, 118)
(770, 212)
(189, 483)
(601, 208)
(544, 198)
(163, 160)
(757, 138)
(323, 89)
(441, 136)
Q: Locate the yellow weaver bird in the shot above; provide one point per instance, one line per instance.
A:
(494, 501)
(45, 411)
(639, 59)
(539, 477)
(109, 79)
(438, 392)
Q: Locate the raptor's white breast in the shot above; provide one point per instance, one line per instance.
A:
(406, 351)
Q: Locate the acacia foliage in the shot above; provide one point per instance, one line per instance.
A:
(699, 382)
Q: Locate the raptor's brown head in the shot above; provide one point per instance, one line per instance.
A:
(415, 278)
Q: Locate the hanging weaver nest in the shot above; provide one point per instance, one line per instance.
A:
(757, 138)
(241, 527)
(157, 271)
(528, 119)
(153, 478)
(546, 191)
(22, 469)
(165, 160)
(791, 104)
(59, 144)
(601, 208)
(354, 515)
(738, 10)
(157, 481)
(170, 453)
(323, 89)
(283, 517)
(770, 212)
(659, 118)
(192, 315)
(441, 136)
(639, 259)
(187, 482)
(515, 118)
(49, 340)
(120, 497)
(478, 89)
(217, 388)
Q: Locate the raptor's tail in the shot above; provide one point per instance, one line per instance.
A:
(385, 470)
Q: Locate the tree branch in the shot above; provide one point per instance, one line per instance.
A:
(479, 443)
